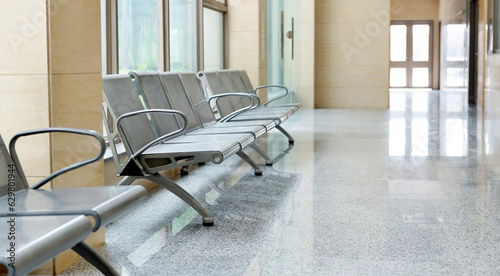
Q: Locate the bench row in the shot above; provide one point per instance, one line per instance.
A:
(164, 121)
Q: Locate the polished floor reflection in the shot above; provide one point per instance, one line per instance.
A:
(413, 190)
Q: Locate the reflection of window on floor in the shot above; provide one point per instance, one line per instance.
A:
(397, 137)
(456, 132)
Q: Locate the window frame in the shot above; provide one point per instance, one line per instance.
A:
(111, 35)
(221, 8)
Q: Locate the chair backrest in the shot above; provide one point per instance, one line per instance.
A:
(180, 100)
(213, 86)
(195, 92)
(10, 179)
(240, 85)
(122, 97)
(238, 81)
(229, 87)
(246, 80)
(151, 86)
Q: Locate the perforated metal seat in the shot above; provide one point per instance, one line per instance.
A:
(238, 107)
(231, 104)
(155, 139)
(202, 107)
(168, 92)
(39, 239)
(232, 82)
(249, 87)
(59, 207)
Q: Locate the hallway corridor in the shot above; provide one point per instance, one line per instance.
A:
(411, 190)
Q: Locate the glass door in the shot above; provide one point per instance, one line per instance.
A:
(284, 48)
(411, 54)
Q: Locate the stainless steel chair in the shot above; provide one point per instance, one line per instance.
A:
(38, 239)
(243, 76)
(232, 108)
(155, 140)
(167, 91)
(29, 204)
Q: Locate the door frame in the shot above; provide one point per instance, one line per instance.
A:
(409, 64)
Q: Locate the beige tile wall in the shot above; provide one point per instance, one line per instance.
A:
(247, 40)
(51, 77)
(76, 96)
(352, 54)
(307, 53)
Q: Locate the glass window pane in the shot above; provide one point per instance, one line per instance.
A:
(137, 35)
(420, 77)
(455, 77)
(421, 42)
(398, 42)
(398, 77)
(455, 39)
(183, 43)
(213, 40)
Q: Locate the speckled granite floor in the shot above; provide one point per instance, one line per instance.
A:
(414, 190)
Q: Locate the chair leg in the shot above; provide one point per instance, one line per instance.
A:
(94, 258)
(290, 138)
(249, 160)
(269, 161)
(184, 170)
(127, 180)
(168, 184)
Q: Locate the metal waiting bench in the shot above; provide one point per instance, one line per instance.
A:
(150, 149)
(167, 90)
(50, 221)
(236, 109)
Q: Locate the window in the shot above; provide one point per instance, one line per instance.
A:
(137, 35)
(158, 35)
(213, 39)
(183, 35)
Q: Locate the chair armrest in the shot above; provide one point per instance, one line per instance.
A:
(15, 158)
(91, 213)
(275, 98)
(157, 140)
(252, 97)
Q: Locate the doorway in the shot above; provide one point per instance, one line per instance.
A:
(411, 54)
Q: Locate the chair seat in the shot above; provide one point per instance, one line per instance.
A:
(38, 239)
(250, 116)
(109, 203)
(244, 139)
(256, 131)
(268, 124)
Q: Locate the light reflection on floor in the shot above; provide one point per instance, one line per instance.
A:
(412, 190)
